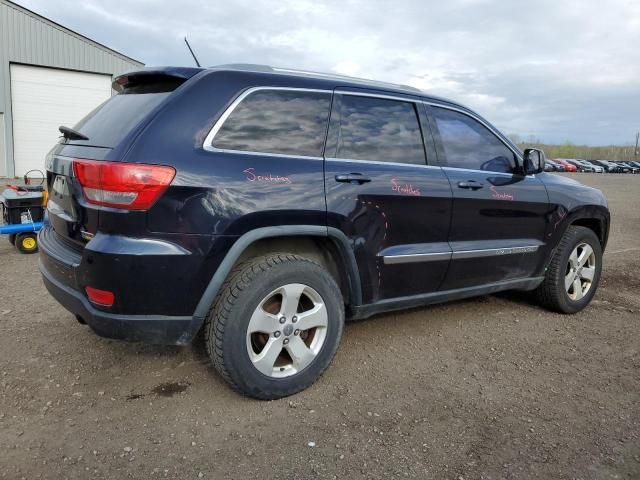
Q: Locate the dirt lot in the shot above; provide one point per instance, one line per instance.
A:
(493, 387)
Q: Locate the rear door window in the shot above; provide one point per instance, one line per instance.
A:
(284, 122)
(377, 129)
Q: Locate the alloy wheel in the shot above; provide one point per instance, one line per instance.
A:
(287, 330)
(580, 272)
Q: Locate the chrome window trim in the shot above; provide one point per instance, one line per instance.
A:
(208, 141)
(457, 254)
(380, 162)
(478, 171)
(383, 96)
(263, 154)
(434, 104)
(486, 172)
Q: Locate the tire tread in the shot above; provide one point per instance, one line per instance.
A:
(550, 292)
(239, 279)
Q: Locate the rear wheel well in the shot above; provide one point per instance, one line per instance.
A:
(592, 224)
(320, 249)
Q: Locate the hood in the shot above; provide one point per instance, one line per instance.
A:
(568, 186)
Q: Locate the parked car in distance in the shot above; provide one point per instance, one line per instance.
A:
(588, 167)
(631, 168)
(568, 167)
(634, 163)
(596, 168)
(623, 168)
(581, 167)
(558, 167)
(264, 207)
(609, 167)
(575, 164)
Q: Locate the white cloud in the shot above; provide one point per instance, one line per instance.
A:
(346, 68)
(557, 70)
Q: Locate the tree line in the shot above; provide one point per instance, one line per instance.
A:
(570, 150)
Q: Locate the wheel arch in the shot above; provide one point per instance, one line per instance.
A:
(597, 225)
(594, 217)
(304, 239)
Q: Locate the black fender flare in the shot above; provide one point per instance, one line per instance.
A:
(582, 212)
(243, 242)
(589, 212)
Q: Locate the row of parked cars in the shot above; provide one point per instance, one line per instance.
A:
(590, 166)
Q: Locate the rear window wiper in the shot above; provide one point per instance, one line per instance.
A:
(71, 134)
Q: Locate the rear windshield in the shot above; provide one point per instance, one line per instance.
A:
(110, 122)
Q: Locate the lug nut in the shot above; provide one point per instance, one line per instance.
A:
(285, 341)
(276, 334)
(283, 319)
(294, 319)
(297, 332)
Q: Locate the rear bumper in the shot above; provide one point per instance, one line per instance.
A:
(162, 330)
(65, 271)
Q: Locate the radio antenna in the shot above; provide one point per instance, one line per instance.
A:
(191, 50)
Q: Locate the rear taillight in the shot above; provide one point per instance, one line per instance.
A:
(134, 186)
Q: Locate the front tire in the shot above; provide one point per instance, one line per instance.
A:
(573, 275)
(275, 325)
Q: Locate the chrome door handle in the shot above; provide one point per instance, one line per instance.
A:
(471, 185)
(352, 178)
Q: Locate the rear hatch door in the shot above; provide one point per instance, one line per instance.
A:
(108, 129)
(68, 214)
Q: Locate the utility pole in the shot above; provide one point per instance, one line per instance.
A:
(636, 152)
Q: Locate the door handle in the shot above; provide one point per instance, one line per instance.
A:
(352, 178)
(471, 185)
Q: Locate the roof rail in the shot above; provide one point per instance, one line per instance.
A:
(292, 71)
(254, 67)
(345, 77)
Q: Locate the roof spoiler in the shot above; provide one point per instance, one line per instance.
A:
(174, 76)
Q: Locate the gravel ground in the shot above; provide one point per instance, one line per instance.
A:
(491, 388)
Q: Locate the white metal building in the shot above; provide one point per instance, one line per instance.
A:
(49, 76)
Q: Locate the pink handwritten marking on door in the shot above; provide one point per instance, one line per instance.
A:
(266, 178)
(406, 188)
(500, 195)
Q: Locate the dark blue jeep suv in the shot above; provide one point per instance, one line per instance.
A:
(264, 206)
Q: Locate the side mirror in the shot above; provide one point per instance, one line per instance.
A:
(534, 161)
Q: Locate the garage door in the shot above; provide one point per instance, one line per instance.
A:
(42, 99)
(3, 146)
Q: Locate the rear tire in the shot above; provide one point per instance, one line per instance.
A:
(26, 242)
(255, 333)
(12, 239)
(573, 275)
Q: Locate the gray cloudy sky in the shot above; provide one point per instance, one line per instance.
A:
(559, 70)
